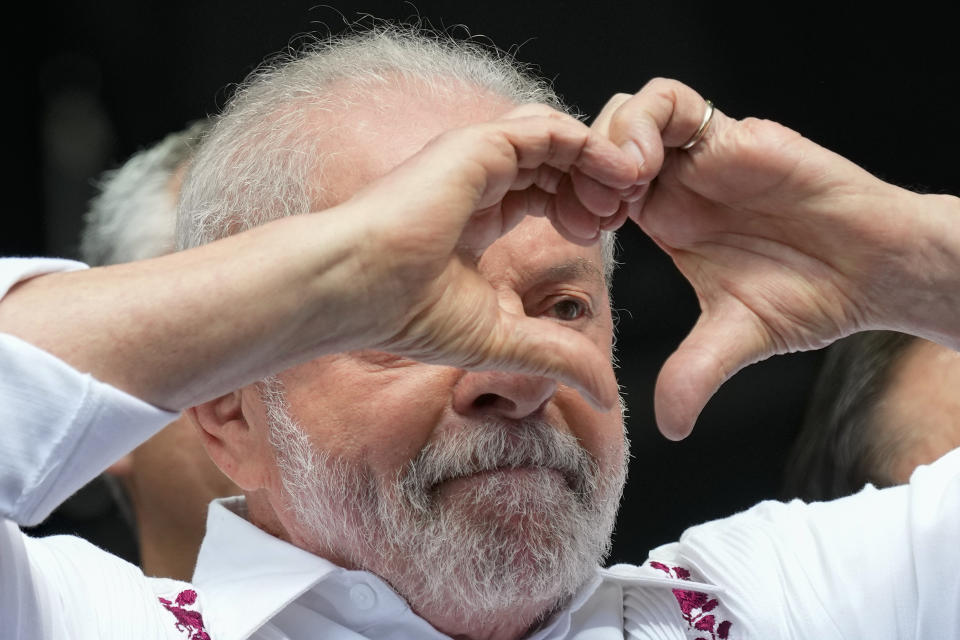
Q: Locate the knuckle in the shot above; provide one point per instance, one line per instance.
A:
(660, 83)
(764, 135)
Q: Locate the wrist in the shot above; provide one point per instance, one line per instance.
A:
(933, 262)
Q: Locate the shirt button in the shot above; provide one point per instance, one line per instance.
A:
(363, 596)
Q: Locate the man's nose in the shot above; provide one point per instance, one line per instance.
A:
(509, 395)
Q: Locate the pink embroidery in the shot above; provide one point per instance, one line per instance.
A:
(188, 621)
(695, 606)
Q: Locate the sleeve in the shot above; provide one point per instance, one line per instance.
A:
(879, 564)
(14, 270)
(59, 428)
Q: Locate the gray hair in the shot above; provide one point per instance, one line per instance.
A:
(134, 215)
(842, 446)
(260, 161)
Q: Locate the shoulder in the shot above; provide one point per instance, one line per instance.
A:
(86, 592)
(667, 601)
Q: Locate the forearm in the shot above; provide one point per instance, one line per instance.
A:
(60, 429)
(933, 309)
(186, 327)
(392, 268)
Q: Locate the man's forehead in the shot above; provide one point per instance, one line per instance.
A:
(373, 130)
(403, 116)
(534, 252)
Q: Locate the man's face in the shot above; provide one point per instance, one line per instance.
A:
(413, 470)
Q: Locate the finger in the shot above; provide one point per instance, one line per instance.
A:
(599, 199)
(594, 149)
(565, 143)
(663, 114)
(601, 124)
(545, 177)
(616, 221)
(602, 161)
(543, 348)
(539, 110)
(536, 202)
(564, 209)
(716, 349)
(485, 226)
(636, 193)
(474, 168)
(573, 214)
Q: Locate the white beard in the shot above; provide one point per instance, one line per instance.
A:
(472, 548)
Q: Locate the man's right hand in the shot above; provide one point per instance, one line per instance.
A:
(393, 268)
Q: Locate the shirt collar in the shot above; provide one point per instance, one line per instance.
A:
(646, 575)
(562, 622)
(245, 575)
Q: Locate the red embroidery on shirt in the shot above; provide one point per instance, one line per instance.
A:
(188, 621)
(695, 606)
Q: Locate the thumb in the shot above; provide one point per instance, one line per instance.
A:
(715, 349)
(663, 114)
(540, 347)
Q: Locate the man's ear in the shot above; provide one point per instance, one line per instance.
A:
(233, 438)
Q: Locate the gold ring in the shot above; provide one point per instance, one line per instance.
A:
(707, 117)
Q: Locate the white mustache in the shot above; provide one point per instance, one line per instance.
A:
(496, 445)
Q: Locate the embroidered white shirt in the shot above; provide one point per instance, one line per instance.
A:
(299, 594)
(882, 564)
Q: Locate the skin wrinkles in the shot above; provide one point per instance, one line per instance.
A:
(374, 413)
(381, 411)
(388, 378)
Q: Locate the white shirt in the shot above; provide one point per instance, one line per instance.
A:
(882, 564)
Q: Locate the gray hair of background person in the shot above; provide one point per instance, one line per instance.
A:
(134, 218)
(134, 215)
(842, 446)
(262, 158)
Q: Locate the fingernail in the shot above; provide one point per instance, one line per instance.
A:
(636, 193)
(630, 148)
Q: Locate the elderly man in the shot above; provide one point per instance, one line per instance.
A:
(439, 453)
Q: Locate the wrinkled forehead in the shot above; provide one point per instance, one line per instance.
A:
(371, 130)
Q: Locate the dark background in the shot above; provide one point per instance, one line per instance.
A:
(94, 82)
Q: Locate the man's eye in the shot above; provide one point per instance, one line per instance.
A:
(568, 309)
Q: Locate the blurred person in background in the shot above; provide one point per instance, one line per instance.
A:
(883, 404)
(165, 485)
